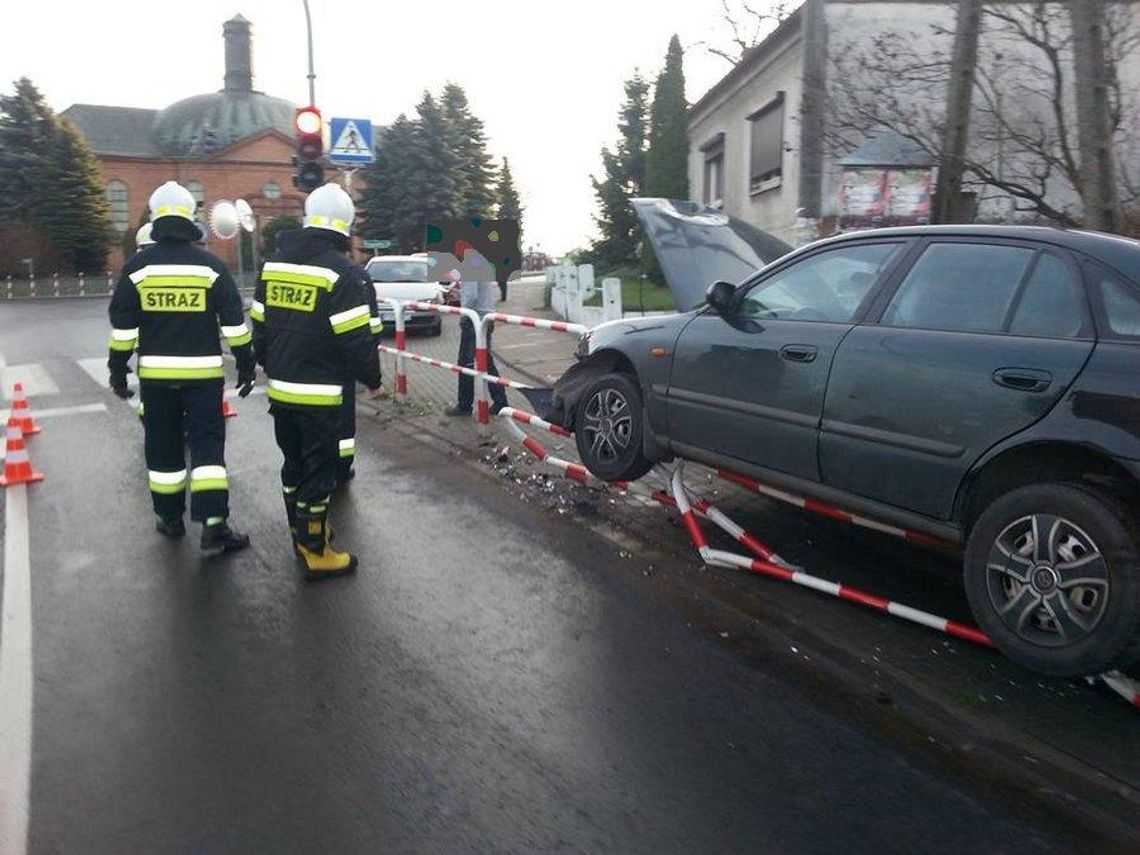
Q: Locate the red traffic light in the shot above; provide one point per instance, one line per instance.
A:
(308, 121)
(310, 139)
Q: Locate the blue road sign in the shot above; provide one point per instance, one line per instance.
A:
(351, 141)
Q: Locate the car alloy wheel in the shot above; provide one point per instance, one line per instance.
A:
(1047, 580)
(607, 425)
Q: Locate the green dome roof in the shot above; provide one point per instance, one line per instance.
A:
(232, 115)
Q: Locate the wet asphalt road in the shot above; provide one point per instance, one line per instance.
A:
(485, 683)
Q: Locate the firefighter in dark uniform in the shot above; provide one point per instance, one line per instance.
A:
(169, 301)
(311, 328)
(347, 443)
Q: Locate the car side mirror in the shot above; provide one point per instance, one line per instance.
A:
(719, 296)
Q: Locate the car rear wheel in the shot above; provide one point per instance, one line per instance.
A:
(1053, 577)
(436, 328)
(608, 429)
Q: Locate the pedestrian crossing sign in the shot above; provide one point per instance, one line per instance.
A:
(351, 141)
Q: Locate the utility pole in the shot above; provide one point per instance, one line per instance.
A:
(1094, 137)
(813, 120)
(956, 133)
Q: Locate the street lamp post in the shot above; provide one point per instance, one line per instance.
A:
(312, 74)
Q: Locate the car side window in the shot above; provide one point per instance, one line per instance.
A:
(1121, 306)
(964, 287)
(828, 286)
(1052, 304)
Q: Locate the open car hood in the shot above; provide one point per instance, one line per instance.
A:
(697, 245)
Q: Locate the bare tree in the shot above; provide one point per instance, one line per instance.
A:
(1024, 123)
(747, 25)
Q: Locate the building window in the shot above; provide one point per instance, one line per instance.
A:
(766, 161)
(713, 150)
(271, 191)
(120, 205)
(195, 188)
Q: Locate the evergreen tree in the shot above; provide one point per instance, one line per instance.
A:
(510, 206)
(468, 141)
(73, 204)
(436, 176)
(50, 181)
(431, 167)
(389, 205)
(624, 179)
(27, 130)
(667, 158)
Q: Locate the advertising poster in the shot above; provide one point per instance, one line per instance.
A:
(908, 196)
(862, 198)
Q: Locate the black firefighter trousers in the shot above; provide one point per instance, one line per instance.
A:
(176, 415)
(308, 438)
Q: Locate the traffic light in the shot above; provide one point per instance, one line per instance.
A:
(309, 173)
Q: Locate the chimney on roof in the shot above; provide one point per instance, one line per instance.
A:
(239, 54)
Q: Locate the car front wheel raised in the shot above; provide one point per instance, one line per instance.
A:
(1053, 578)
(608, 429)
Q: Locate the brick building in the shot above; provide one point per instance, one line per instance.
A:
(234, 143)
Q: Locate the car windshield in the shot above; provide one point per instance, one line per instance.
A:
(398, 271)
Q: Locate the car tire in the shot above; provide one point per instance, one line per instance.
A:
(1025, 560)
(608, 429)
(436, 328)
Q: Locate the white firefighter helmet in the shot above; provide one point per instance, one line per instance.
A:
(142, 236)
(172, 200)
(330, 207)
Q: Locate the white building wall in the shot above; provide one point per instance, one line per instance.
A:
(773, 210)
(851, 27)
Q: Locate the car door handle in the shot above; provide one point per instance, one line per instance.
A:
(799, 352)
(1023, 379)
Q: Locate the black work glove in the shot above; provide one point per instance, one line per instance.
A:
(245, 382)
(120, 388)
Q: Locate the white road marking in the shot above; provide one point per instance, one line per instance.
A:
(96, 368)
(15, 675)
(54, 412)
(34, 376)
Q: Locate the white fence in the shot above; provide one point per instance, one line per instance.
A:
(572, 285)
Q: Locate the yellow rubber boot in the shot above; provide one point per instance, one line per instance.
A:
(321, 560)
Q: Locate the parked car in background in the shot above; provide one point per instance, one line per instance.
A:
(979, 384)
(406, 277)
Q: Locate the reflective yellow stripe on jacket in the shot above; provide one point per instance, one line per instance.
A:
(153, 367)
(306, 394)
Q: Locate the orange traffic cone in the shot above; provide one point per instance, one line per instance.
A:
(17, 466)
(21, 412)
(228, 412)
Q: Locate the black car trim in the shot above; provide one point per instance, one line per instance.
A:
(716, 402)
(899, 440)
(814, 490)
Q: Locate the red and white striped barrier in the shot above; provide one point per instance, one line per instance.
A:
(537, 323)
(533, 420)
(835, 513)
(1126, 687)
(398, 306)
(721, 558)
(709, 511)
(452, 367)
(573, 471)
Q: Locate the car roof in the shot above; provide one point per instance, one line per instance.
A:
(1118, 252)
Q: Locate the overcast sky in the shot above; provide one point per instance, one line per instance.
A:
(544, 76)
